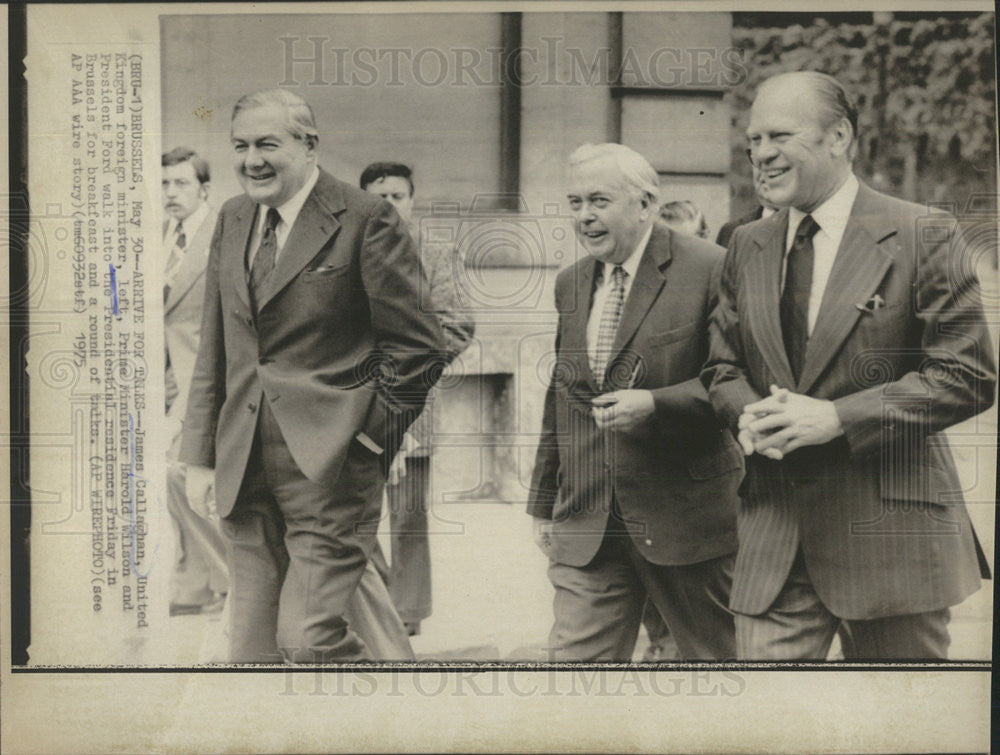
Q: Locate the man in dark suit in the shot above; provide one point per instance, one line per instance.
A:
(315, 356)
(634, 485)
(848, 335)
(199, 577)
(409, 488)
(764, 209)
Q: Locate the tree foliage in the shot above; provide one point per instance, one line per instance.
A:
(925, 88)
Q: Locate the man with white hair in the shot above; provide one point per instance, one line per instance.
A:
(634, 486)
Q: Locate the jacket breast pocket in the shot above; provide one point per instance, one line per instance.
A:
(885, 328)
(674, 334)
(324, 272)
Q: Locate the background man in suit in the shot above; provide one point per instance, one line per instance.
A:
(199, 577)
(408, 576)
(315, 357)
(635, 481)
(847, 336)
(764, 209)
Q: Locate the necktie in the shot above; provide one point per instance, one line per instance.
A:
(609, 324)
(795, 296)
(263, 262)
(174, 260)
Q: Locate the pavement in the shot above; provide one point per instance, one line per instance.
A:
(493, 601)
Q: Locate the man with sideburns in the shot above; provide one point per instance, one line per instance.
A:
(199, 579)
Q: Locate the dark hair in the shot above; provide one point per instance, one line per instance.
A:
(375, 171)
(179, 155)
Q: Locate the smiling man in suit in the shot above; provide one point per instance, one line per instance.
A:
(315, 357)
(634, 485)
(199, 577)
(848, 335)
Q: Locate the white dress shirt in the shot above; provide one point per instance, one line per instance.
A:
(289, 211)
(603, 288)
(831, 217)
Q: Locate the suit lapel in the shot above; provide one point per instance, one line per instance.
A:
(194, 262)
(234, 248)
(857, 271)
(649, 280)
(764, 292)
(313, 228)
(573, 342)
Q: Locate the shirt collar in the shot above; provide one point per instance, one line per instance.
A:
(631, 264)
(832, 215)
(290, 210)
(191, 223)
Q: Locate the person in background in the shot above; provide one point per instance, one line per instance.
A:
(199, 580)
(408, 575)
(683, 216)
(764, 209)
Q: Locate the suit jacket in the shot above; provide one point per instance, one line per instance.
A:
(182, 315)
(726, 232)
(443, 298)
(675, 477)
(339, 346)
(878, 512)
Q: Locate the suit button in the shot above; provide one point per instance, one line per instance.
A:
(252, 407)
(648, 541)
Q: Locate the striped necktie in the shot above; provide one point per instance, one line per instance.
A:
(608, 326)
(263, 261)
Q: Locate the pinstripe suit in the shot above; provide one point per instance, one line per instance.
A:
(875, 517)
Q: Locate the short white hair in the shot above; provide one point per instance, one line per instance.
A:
(635, 170)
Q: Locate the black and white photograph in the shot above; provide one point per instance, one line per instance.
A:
(495, 359)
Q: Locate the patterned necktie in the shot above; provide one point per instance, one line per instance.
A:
(173, 260)
(609, 324)
(795, 296)
(263, 262)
